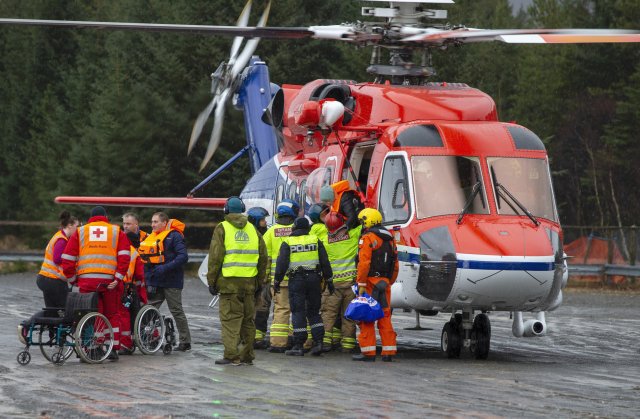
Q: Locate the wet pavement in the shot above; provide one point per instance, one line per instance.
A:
(587, 366)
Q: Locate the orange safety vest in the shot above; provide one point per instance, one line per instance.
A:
(128, 278)
(338, 189)
(49, 268)
(98, 250)
(151, 250)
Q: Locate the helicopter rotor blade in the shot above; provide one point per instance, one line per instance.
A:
(251, 46)
(243, 20)
(199, 124)
(216, 134)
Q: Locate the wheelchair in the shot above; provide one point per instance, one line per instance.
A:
(152, 331)
(60, 332)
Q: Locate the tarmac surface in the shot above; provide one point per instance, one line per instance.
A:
(588, 365)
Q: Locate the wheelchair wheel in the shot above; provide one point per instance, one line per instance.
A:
(24, 358)
(148, 330)
(47, 340)
(94, 338)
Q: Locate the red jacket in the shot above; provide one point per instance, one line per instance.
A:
(73, 250)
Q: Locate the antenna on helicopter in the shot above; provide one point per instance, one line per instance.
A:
(224, 82)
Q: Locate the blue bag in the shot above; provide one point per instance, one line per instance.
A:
(364, 309)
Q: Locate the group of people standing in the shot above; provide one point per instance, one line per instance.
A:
(305, 265)
(118, 264)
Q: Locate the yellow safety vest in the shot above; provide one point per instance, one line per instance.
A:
(319, 230)
(342, 248)
(304, 252)
(273, 239)
(49, 268)
(241, 251)
(98, 256)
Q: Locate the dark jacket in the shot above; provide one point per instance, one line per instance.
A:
(350, 206)
(282, 264)
(170, 274)
(233, 285)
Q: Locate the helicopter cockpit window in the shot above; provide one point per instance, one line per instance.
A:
(394, 196)
(444, 184)
(528, 181)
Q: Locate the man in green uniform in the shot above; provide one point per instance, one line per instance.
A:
(237, 270)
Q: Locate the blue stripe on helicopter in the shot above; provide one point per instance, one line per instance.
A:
(506, 266)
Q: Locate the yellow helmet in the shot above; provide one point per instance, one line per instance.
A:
(370, 217)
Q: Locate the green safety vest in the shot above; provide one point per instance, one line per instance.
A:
(241, 251)
(342, 249)
(320, 231)
(273, 238)
(304, 252)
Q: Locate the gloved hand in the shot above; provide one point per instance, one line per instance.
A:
(332, 288)
(276, 287)
(213, 290)
(151, 289)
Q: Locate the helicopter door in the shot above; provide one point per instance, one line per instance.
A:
(361, 162)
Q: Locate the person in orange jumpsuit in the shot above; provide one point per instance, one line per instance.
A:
(377, 263)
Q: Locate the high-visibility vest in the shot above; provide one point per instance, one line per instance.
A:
(241, 251)
(132, 267)
(151, 250)
(49, 267)
(319, 230)
(273, 238)
(342, 248)
(98, 250)
(303, 252)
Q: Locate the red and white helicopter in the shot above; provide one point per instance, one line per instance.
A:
(468, 198)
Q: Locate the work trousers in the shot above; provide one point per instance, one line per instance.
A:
(174, 302)
(304, 299)
(109, 302)
(263, 308)
(333, 308)
(279, 333)
(367, 336)
(53, 290)
(238, 327)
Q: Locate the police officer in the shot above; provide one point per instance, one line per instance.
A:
(304, 259)
(237, 268)
(286, 212)
(377, 271)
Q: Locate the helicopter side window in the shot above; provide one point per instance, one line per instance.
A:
(291, 192)
(303, 195)
(315, 181)
(394, 198)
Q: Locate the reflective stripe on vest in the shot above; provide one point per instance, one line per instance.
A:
(49, 268)
(98, 250)
(241, 251)
(132, 265)
(304, 252)
(275, 236)
(342, 248)
(151, 250)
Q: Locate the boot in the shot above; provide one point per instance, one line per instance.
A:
(295, 351)
(260, 344)
(316, 349)
(363, 358)
(326, 347)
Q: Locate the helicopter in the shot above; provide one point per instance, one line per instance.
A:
(468, 198)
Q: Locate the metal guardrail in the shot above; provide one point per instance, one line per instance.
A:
(194, 257)
(607, 269)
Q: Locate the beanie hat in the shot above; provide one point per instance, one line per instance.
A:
(301, 223)
(327, 194)
(98, 211)
(234, 205)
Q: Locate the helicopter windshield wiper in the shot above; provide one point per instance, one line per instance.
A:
(467, 205)
(501, 189)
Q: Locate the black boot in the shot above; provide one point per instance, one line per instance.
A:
(295, 351)
(316, 349)
(363, 358)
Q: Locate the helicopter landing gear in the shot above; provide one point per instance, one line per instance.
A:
(480, 336)
(452, 337)
(461, 332)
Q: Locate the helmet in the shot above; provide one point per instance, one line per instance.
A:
(256, 214)
(287, 207)
(334, 221)
(234, 205)
(315, 210)
(370, 217)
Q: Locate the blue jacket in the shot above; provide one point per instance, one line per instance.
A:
(170, 274)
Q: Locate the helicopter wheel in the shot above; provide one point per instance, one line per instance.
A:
(450, 341)
(480, 336)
